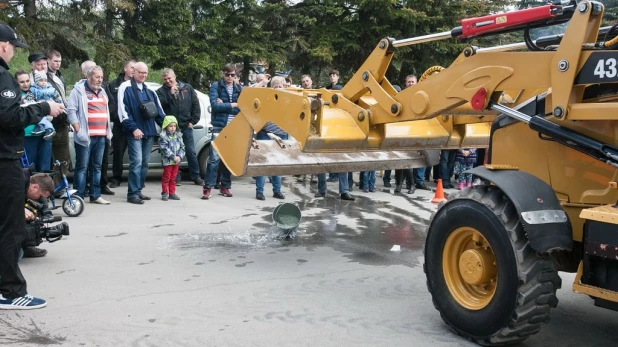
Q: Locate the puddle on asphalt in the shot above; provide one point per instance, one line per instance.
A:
(365, 230)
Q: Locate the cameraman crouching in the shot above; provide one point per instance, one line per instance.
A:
(38, 186)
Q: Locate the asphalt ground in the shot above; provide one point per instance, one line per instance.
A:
(217, 273)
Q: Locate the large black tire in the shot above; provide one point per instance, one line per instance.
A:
(525, 281)
(202, 159)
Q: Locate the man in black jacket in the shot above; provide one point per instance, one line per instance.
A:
(119, 139)
(13, 120)
(60, 142)
(180, 100)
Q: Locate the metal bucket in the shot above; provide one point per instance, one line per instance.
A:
(287, 216)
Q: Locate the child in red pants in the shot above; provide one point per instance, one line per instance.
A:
(172, 150)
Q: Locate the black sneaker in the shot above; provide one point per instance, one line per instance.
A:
(421, 186)
(278, 195)
(34, 252)
(143, 197)
(198, 181)
(174, 197)
(320, 195)
(106, 191)
(260, 196)
(135, 200)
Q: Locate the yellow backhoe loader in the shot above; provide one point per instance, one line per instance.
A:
(548, 203)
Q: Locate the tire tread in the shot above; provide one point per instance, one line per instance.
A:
(537, 275)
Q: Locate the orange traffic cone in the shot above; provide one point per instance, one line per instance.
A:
(439, 197)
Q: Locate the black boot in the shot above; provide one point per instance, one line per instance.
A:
(34, 252)
(347, 196)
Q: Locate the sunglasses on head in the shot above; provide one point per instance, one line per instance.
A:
(230, 75)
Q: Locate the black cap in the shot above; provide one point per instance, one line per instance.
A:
(36, 56)
(7, 34)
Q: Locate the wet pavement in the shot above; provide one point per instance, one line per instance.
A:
(219, 273)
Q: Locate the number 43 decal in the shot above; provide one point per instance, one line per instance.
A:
(606, 68)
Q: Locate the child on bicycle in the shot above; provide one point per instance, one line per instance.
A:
(172, 150)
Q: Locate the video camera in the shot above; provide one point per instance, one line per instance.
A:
(39, 228)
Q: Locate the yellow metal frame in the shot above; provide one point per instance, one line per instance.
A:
(604, 214)
(596, 292)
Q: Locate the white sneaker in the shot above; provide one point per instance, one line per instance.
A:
(100, 201)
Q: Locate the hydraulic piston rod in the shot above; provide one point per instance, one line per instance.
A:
(522, 117)
(422, 39)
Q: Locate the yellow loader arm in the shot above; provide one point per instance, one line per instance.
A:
(368, 125)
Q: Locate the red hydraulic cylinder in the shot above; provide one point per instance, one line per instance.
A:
(472, 27)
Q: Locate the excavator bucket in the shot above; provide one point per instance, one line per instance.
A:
(328, 138)
(245, 156)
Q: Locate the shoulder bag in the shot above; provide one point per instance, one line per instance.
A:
(148, 109)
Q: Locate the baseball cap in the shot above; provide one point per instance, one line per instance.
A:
(36, 56)
(7, 34)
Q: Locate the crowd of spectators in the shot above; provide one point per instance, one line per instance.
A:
(115, 115)
(124, 115)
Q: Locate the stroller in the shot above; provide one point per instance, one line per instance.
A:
(72, 205)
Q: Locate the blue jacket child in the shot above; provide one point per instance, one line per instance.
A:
(170, 144)
(172, 150)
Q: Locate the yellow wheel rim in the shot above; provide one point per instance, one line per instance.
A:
(469, 267)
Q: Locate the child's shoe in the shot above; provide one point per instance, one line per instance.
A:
(49, 133)
(460, 186)
(164, 196)
(174, 197)
(38, 129)
(469, 184)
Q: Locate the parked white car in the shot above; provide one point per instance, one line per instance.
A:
(201, 134)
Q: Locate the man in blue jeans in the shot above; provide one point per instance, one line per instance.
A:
(447, 165)
(418, 174)
(88, 113)
(224, 103)
(419, 178)
(277, 82)
(275, 180)
(344, 188)
(139, 128)
(180, 100)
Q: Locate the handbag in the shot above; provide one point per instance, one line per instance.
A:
(148, 109)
